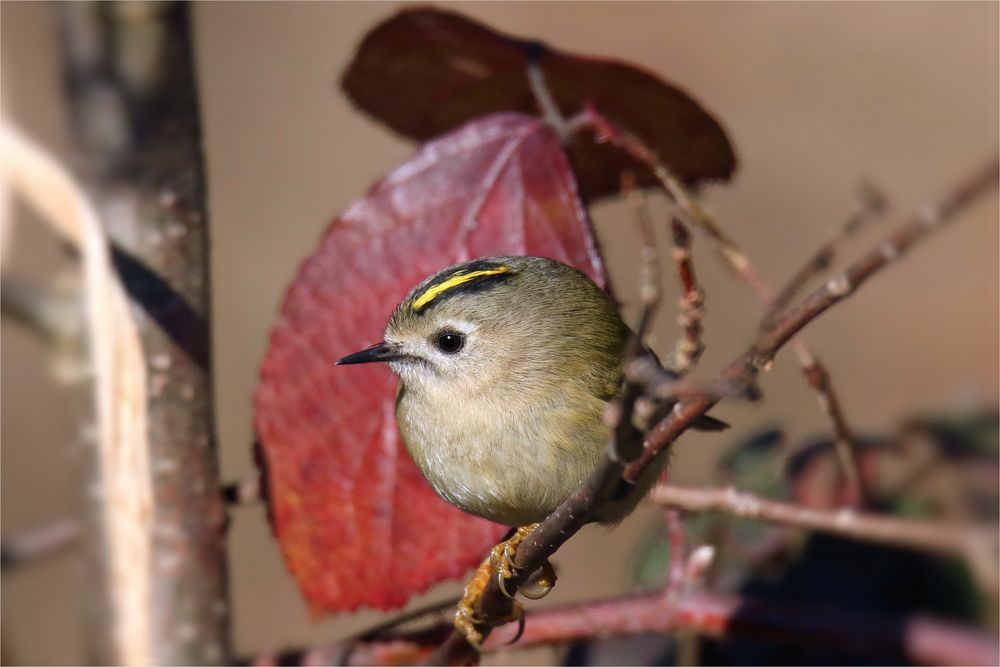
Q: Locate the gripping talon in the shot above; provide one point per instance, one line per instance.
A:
(501, 561)
(518, 616)
(502, 585)
(545, 582)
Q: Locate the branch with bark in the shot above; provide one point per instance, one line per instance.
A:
(919, 638)
(976, 545)
(690, 347)
(872, 204)
(137, 221)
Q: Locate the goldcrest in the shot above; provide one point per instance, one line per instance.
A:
(505, 367)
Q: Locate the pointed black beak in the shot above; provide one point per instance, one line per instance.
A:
(380, 352)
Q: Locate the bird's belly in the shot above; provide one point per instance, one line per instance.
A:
(514, 473)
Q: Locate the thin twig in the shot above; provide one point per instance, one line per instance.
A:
(545, 101)
(575, 511)
(974, 544)
(619, 414)
(39, 310)
(43, 540)
(650, 292)
(244, 492)
(761, 354)
(872, 204)
(64, 532)
(845, 444)
(382, 629)
(678, 553)
(692, 304)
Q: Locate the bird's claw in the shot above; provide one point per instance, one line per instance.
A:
(502, 558)
(501, 561)
(545, 582)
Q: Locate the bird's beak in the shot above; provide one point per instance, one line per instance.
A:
(381, 352)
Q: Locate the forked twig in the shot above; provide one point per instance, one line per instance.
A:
(739, 263)
(872, 203)
(761, 354)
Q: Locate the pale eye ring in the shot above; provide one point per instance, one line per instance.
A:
(450, 342)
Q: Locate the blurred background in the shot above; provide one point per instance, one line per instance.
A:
(815, 97)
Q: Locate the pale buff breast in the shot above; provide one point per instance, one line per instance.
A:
(512, 460)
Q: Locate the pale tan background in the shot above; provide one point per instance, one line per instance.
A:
(814, 96)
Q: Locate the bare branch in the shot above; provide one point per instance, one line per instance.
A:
(973, 544)
(619, 414)
(141, 152)
(844, 440)
(921, 639)
(122, 510)
(872, 204)
(39, 541)
(692, 304)
(761, 354)
(650, 293)
(244, 492)
(678, 553)
(39, 310)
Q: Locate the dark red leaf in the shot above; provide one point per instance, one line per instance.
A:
(425, 71)
(357, 522)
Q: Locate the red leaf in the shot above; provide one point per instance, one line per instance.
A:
(357, 522)
(425, 71)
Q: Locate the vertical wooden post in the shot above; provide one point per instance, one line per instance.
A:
(133, 99)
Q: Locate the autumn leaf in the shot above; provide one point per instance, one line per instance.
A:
(425, 71)
(357, 523)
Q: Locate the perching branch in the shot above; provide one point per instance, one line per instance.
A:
(976, 545)
(575, 511)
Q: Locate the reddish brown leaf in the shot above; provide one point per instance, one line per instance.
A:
(357, 522)
(425, 71)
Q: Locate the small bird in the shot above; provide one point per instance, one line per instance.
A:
(506, 365)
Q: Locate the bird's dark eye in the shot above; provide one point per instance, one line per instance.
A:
(450, 342)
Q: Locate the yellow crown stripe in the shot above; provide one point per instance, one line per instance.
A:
(435, 291)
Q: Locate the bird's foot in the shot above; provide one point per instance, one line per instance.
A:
(502, 558)
(465, 615)
(501, 561)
